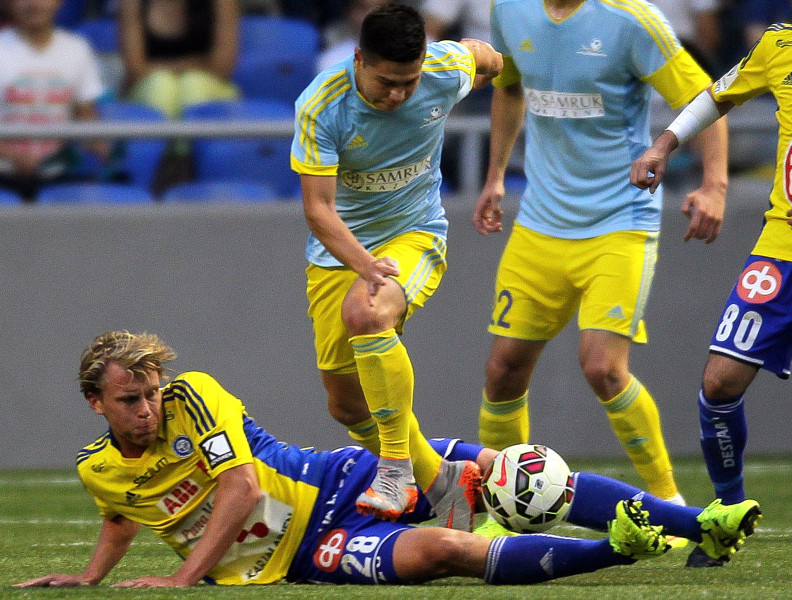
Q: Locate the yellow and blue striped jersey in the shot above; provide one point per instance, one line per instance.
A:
(205, 430)
(588, 82)
(387, 164)
(768, 68)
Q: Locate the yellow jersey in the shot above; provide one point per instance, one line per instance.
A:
(205, 430)
(768, 68)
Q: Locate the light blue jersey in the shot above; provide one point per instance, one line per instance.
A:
(587, 82)
(387, 163)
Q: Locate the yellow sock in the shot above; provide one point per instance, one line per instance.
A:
(503, 424)
(636, 421)
(366, 434)
(386, 376)
(426, 462)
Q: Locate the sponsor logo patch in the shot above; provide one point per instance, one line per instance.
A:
(329, 550)
(564, 106)
(760, 282)
(385, 180)
(217, 449)
(175, 500)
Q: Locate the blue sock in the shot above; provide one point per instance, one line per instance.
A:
(537, 557)
(724, 433)
(596, 496)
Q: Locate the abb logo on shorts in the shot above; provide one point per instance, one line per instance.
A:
(328, 553)
(760, 282)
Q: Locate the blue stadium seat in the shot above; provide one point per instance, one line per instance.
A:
(139, 157)
(8, 197)
(93, 193)
(70, 14)
(274, 77)
(265, 160)
(277, 57)
(277, 35)
(102, 33)
(220, 191)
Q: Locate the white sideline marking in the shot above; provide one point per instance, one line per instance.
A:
(602, 469)
(66, 544)
(41, 481)
(50, 522)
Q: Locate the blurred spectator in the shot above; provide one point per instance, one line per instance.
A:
(758, 15)
(260, 7)
(319, 12)
(340, 37)
(178, 53)
(455, 19)
(47, 76)
(697, 24)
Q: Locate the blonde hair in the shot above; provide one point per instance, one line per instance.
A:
(138, 353)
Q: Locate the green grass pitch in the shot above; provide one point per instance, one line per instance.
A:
(48, 523)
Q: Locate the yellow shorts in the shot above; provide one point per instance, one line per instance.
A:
(543, 280)
(422, 263)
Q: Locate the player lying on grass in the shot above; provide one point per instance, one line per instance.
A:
(240, 507)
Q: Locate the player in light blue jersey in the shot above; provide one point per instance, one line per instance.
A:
(367, 144)
(580, 73)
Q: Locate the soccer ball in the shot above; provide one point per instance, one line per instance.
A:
(528, 488)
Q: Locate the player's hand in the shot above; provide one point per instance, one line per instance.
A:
(377, 275)
(487, 214)
(648, 171)
(54, 580)
(789, 217)
(704, 207)
(151, 582)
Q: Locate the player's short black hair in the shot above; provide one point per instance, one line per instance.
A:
(393, 32)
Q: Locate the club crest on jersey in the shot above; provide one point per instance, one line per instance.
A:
(594, 48)
(437, 114)
(217, 449)
(760, 282)
(182, 446)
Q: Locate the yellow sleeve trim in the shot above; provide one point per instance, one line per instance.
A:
(306, 169)
(508, 75)
(679, 80)
(306, 119)
(451, 61)
(660, 33)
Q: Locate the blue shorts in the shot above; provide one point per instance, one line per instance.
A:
(342, 546)
(756, 324)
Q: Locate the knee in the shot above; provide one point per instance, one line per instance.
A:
(445, 552)
(506, 375)
(604, 376)
(358, 316)
(718, 385)
(361, 316)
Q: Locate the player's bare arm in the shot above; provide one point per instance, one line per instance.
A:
(115, 538)
(325, 223)
(508, 109)
(236, 496)
(705, 206)
(489, 62)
